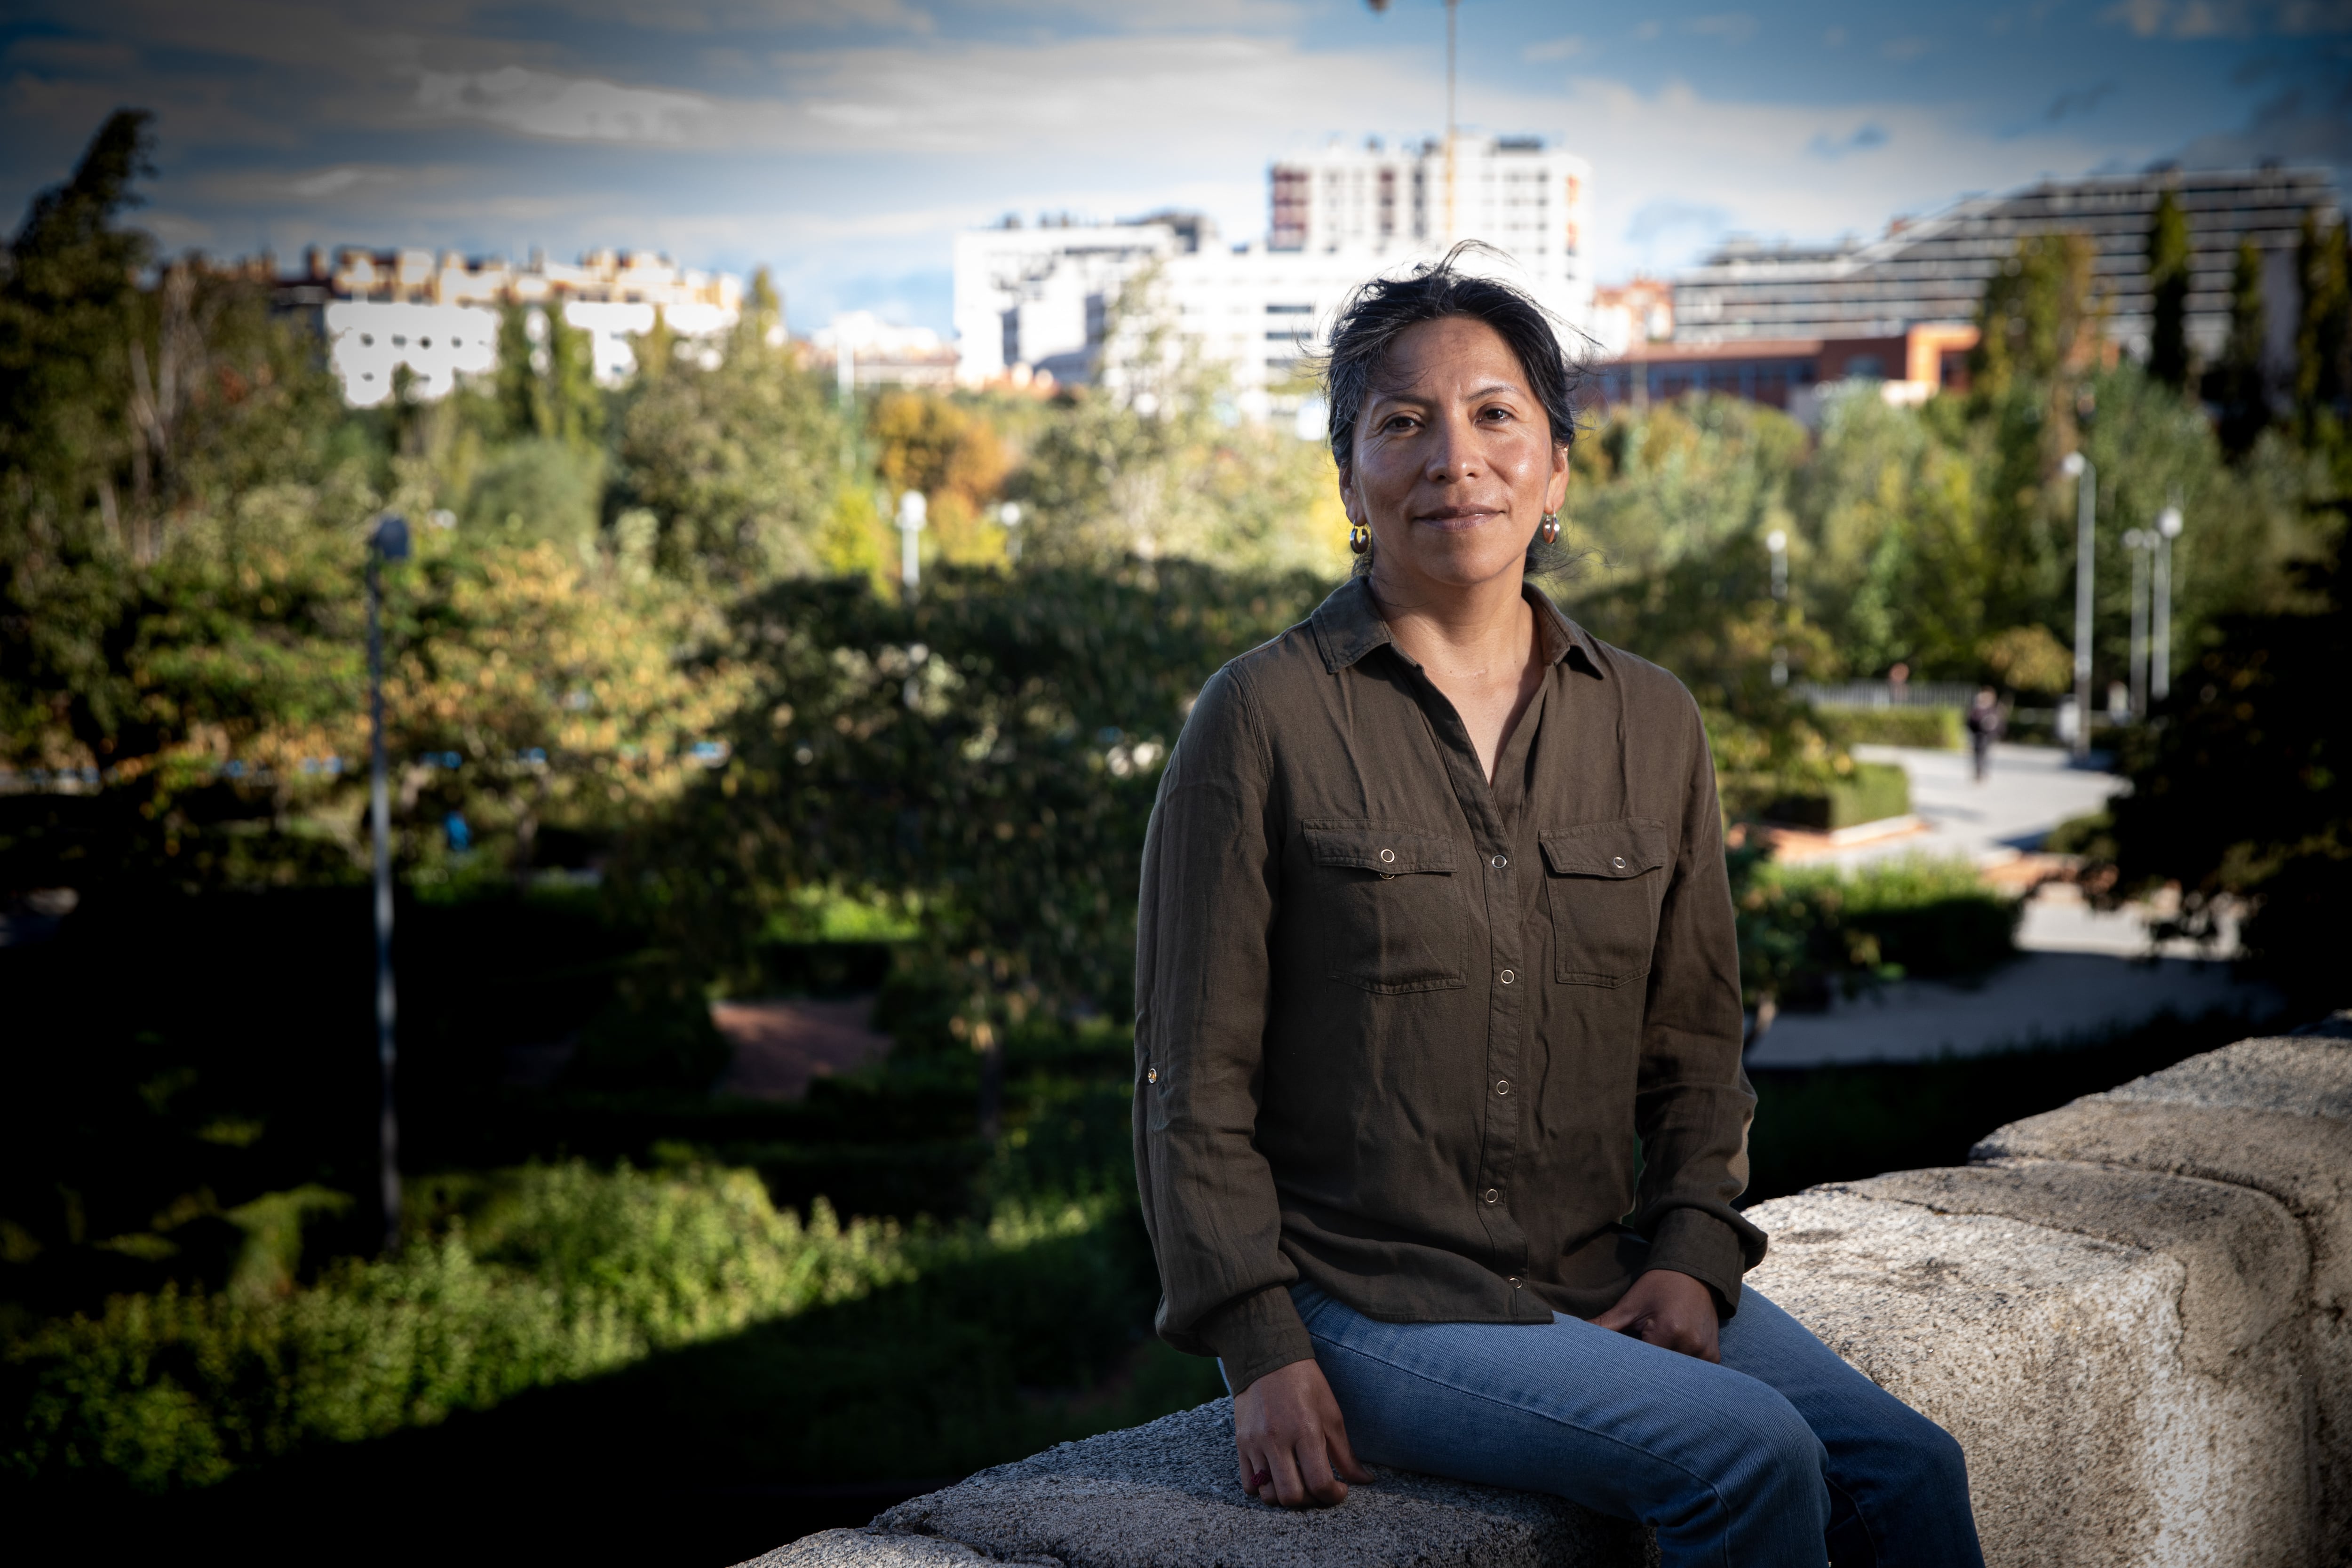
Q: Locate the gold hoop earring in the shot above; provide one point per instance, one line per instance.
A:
(1359, 538)
(1549, 530)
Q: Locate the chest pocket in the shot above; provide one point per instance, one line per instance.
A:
(1606, 883)
(1391, 915)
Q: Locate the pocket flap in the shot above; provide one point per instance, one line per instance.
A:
(1623, 848)
(1390, 852)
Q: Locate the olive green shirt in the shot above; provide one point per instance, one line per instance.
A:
(1452, 1052)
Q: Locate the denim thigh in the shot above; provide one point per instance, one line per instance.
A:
(1726, 1462)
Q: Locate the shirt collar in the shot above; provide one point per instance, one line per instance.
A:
(1348, 626)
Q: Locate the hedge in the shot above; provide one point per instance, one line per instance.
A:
(1938, 728)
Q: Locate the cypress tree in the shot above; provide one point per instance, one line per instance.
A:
(2322, 339)
(2168, 281)
(2244, 400)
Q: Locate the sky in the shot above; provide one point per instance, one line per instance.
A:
(842, 146)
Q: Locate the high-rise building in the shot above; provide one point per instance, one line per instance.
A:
(1511, 192)
(1045, 298)
(1933, 269)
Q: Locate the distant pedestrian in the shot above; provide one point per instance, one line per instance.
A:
(1985, 725)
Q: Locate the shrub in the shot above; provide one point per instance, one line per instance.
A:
(1872, 792)
(1938, 727)
(1805, 929)
(538, 1276)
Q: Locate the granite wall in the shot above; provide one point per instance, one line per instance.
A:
(2131, 1311)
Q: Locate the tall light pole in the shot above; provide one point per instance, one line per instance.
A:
(1451, 6)
(1009, 514)
(2087, 511)
(1776, 542)
(387, 542)
(912, 510)
(2168, 529)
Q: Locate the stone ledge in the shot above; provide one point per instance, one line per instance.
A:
(2134, 1313)
(1165, 1493)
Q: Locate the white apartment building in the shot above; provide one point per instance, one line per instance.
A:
(437, 317)
(1032, 300)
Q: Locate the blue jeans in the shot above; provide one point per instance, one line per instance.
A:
(1782, 1455)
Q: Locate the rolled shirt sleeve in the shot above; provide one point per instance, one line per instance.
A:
(1211, 879)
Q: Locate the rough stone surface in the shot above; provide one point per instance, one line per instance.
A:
(872, 1548)
(2306, 1074)
(1165, 1494)
(2190, 1124)
(2244, 1255)
(2055, 1360)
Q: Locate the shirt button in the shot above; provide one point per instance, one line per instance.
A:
(1515, 1281)
(1494, 1195)
(1502, 1086)
(1499, 862)
(1388, 858)
(1507, 976)
(1618, 861)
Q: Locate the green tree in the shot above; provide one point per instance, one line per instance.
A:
(2245, 791)
(67, 303)
(2168, 258)
(2037, 321)
(546, 380)
(738, 464)
(2238, 385)
(985, 757)
(1156, 460)
(2322, 339)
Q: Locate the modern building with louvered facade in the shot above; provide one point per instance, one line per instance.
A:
(1933, 269)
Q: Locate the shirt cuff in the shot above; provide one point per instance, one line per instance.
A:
(1256, 1335)
(1694, 1242)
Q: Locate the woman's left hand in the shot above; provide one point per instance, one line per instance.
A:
(1668, 1310)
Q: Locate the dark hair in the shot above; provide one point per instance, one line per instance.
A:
(1375, 315)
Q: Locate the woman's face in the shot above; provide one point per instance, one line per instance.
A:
(1454, 462)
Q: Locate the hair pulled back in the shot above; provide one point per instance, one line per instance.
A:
(1378, 313)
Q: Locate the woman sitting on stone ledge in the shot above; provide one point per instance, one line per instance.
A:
(1436, 981)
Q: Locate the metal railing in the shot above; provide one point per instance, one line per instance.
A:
(1888, 694)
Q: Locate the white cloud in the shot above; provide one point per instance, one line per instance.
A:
(573, 109)
(1680, 155)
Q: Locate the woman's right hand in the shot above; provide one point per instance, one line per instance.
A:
(1287, 1430)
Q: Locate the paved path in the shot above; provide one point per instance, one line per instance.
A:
(2084, 971)
(2033, 790)
(780, 1047)
(2043, 999)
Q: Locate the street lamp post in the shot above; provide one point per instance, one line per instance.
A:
(2086, 509)
(1009, 514)
(2168, 529)
(387, 542)
(912, 510)
(1776, 542)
